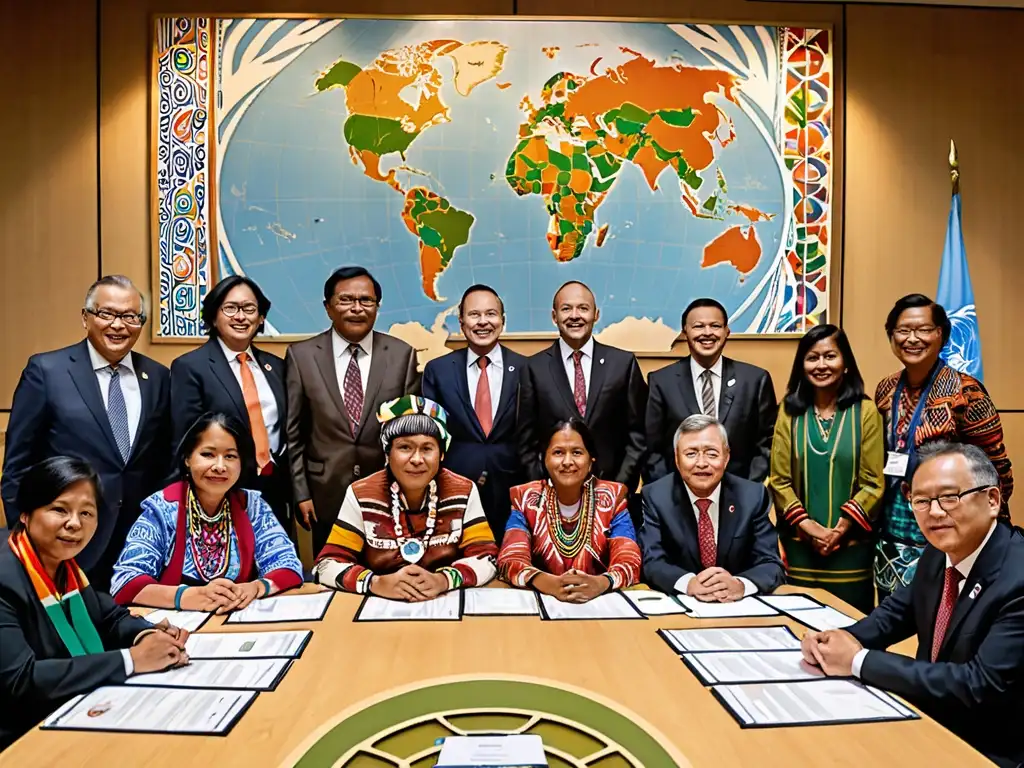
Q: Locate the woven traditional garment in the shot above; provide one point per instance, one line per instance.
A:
(531, 545)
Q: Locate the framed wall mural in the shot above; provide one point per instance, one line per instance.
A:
(656, 162)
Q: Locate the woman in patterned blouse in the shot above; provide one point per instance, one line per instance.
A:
(412, 531)
(203, 543)
(924, 402)
(570, 536)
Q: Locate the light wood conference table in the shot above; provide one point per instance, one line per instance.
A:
(624, 665)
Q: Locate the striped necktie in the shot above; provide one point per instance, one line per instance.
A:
(707, 394)
(117, 412)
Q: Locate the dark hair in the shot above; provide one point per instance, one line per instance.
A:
(215, 298)
(231, 425)
(578, 426)
(983, 471)
(913, 301)
(566, 284)
(698, 304)
(477, 288)
(349, 273)
(45, 481)
(800, 392)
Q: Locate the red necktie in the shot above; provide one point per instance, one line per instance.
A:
(706, 535)
(354, 389)
(950, 593)
(579, 386)
(482, 406)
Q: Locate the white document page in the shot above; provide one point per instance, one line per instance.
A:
(482, 601)
(751, 666)
(826, 700)
(823, 617)
(241, 674)
(609, 606)
(166, 710)
(732, 639)
(653, 603)
(443, 608)
(789, 602)
(747, 606)
(190, 620)
(521, 750)
(284, 608)
(247, 645)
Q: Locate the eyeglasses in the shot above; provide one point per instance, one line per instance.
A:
(133, 319)
(230, 310)
(923, 332)
(366, 302)
(947, 502)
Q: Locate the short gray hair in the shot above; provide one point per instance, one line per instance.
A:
(983, 471)
(698, 422)
(115, 281)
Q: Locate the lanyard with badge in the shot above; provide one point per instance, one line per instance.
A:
(897, 458)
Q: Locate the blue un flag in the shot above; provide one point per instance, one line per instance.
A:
(963, 351)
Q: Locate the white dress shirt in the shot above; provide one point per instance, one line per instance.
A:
(129, 386)
(964, 566)
(696, 371)
(586, 362)
(749, 588)
(342, 355)
(268, 403)
(495, 370)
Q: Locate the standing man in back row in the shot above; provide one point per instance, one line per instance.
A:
(479, 386)
(336, 382)
(738, 395)
(99, 401)
(577, 376)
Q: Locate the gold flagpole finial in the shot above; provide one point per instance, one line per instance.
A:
(954, 167)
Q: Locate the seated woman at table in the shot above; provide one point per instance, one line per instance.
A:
(58, 636)
(570, 536)
(412, 531)
(203, 543)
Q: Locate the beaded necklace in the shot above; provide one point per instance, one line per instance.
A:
(412, 548)
(570, 542)
(209, 538)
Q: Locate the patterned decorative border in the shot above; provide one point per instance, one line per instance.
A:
(807, 151)
(183, 166)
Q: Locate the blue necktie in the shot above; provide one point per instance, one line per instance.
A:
(117, 412)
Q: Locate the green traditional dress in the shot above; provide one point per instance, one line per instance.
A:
(825, 470)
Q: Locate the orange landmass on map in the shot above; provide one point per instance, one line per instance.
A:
(738, 246)
(752, 213)
(370, 162)
(551, 51)
(602, 233)
(503, 86)
(654, 88)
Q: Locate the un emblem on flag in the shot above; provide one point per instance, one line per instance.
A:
(963, 350)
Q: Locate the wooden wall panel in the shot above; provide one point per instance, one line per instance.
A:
(48, 254)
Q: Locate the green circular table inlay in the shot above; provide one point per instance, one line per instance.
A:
(494, 706)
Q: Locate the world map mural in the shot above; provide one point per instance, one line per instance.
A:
(654, 162)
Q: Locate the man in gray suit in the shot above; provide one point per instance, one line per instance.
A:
(336, 383)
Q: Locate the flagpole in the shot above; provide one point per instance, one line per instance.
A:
(954, 167)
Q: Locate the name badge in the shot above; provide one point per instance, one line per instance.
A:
(896, 464)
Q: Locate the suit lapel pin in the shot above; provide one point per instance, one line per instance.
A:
(267, 366)
(730, 382)
(145, 375)
(732, 508)
(976, 591)
(601, 361)
(511, 368)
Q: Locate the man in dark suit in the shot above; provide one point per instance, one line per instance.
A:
(336, 382)
(965, 604)
(705, 533)
(578, 376)
(99, 401)
(212, 379)
(738, 395)
(478, 387)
